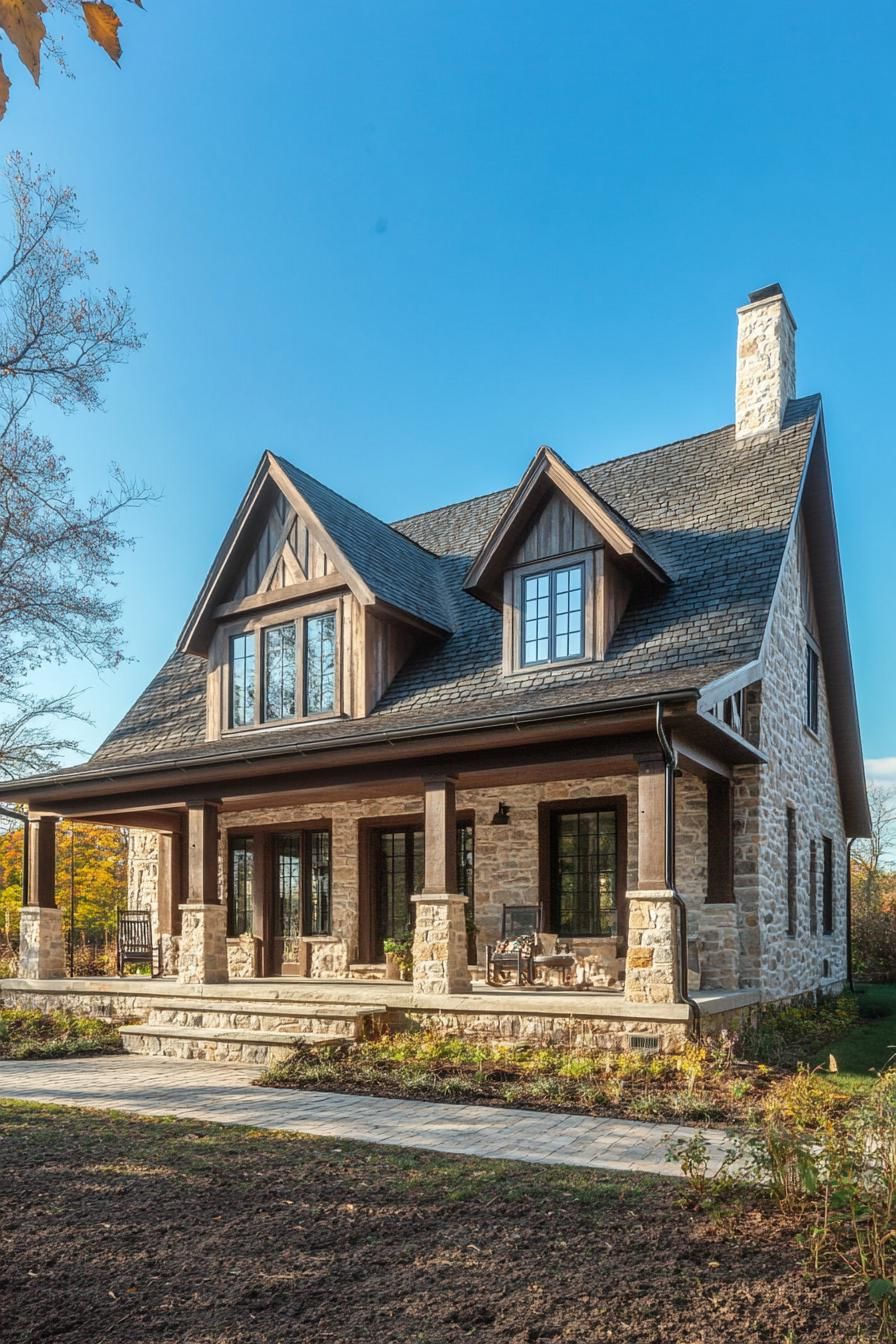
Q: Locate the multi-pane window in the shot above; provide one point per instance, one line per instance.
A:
(239, 887)
(265, 666)
(553, 615)
(583, 873)
(317, 884)
(242, 680)
(813, 887)
(812, 688)
(280, 671)
(287, 886)
(827, 885)
(320, 663)
(791, 871)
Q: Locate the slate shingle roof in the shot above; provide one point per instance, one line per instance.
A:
(396, 568)
(714, 512)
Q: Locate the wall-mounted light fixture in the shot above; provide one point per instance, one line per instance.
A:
(502, 816)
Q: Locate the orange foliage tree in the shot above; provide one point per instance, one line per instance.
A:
(100, 868)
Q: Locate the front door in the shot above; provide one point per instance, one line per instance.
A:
(287, 893)
(397, 868)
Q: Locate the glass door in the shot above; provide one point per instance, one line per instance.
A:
(398, 875)
(287, 861)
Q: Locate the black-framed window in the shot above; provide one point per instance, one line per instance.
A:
(317, 882)
(241, 876)
(288, 885)
(791, 871)
(827, 885)
(553, 627)
(812, 687)
(242, 680)
(813, 886)
(466, 863)
(583, 872)
(320, 663)
(280, 671)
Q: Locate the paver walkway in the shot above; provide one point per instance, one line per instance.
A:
(223, 1093)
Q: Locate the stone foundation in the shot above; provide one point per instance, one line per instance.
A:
(440, 945)
(41, 945)
(652, 964)
(203, 945)
(242, 957)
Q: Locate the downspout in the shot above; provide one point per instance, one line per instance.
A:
(849, 844)
(671, 767)
(22, 818)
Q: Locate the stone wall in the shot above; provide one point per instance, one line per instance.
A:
(800, 773)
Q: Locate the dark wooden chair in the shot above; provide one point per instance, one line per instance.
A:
(134, 943)
(520, 925)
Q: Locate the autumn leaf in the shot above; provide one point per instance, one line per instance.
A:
(21, 21)
(103, 25)
(4, 88)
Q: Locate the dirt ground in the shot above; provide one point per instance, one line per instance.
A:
(171, 1232)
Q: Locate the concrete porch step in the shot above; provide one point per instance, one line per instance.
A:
(217, 1044)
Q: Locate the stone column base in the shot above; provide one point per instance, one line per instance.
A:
(652, 961)
(41, 945)
(440, 945)
(202, 958)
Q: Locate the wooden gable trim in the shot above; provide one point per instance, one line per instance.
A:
(277, 597)
(485, 576)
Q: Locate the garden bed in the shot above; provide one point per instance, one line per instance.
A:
(26, 1033)
(170, 1231)
(709, 1083)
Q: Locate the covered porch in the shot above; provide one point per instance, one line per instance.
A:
(289, 878)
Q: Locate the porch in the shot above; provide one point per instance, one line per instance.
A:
(283, 887)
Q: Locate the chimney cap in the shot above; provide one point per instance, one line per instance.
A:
(767, 292)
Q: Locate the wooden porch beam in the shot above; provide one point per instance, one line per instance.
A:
(440, 837)
(165, 822)
(202, 853)
(720, 843)
(651, 823)
(42, 861)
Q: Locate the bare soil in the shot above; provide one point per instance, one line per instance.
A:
(170, 1232)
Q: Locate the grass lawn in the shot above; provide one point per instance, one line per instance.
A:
(26, 1033)
(160, 1231)
(869, 1045)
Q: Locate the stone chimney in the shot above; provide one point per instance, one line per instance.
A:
(766, 363)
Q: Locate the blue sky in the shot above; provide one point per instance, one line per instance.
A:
(406, 243)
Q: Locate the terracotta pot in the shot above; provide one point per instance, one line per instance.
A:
(393, 967)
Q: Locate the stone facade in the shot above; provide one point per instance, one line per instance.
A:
(440, 945)
(203, 945)
(41, 944)
(652, 964)
(143, 888)
(801, 774)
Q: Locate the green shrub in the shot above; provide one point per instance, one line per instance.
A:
(26, 1033)
(874, 945)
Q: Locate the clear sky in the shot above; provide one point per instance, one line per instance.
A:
(405, 243)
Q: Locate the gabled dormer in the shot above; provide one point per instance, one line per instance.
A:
(561, 564)
(310, 609)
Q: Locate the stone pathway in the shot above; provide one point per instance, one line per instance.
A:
(223, 1093)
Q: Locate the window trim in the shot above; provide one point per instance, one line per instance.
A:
(245, 838)
(812, 686)
(261, 837)
(514, 588)
(605, 802)
(256, 626)
(828, 864)
(792, 868)
(551, 576)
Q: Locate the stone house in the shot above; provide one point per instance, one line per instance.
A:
(622, 694)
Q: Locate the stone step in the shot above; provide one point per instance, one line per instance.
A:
(217, 1044)
(313, 1019)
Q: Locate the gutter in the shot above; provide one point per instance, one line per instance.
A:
(671, 769)
(22, 818)
(384, 738)
(849, 844)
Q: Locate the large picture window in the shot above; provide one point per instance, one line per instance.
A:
(553, 626)
(583, 871)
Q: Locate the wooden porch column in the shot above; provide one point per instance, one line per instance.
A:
(170, 882)
(203, 940)
(440, 927)
(41, 947)
(652, 961)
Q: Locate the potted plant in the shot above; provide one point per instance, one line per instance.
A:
(399, 957)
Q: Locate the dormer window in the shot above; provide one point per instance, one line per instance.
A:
(553, 626)
(280, 671)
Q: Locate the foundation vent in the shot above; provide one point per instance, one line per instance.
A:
(646, 1045)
